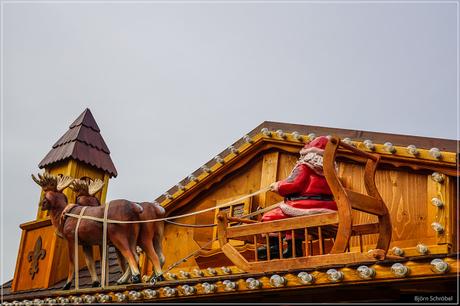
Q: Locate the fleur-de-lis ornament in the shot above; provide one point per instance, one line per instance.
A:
(34, 256)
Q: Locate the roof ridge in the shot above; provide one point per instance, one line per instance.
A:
(86, 118)
(268, 123)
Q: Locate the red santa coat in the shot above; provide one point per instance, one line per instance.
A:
(303, 182)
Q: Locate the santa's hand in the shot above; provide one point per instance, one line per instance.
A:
(274, 186)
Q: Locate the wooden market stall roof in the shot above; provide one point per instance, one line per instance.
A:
(298, 133)
(82, 142)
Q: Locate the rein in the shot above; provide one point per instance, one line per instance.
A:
(105, 220)
(255, 213)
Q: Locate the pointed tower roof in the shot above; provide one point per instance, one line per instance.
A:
(82, 142)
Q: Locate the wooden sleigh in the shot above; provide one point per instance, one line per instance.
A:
(336, 228)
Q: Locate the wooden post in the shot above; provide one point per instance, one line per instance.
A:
(293, 243)
(306, 241)
(269, 175)
(267, 240)
(280, 245)
(255, 248)
(320, 241)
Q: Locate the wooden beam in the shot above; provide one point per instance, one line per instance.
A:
(365, 229)
(364, 203)
(307, 262)
(282, 225)
(236, 257)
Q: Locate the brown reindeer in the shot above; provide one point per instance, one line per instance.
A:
(85, 190)
(150, 234)
(122, 236)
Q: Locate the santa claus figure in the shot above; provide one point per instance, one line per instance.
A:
(305, 192)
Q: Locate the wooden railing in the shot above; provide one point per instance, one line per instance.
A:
(258, 233)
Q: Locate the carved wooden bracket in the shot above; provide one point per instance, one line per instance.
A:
(34, 256)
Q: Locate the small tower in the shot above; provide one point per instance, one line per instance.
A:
(80, 153)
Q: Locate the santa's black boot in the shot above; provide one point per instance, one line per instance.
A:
(298, 248)
(274, 249)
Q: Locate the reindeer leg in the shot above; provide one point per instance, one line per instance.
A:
(71, 247)
(121, 261)
(157, 241)
(124, 278)
(88, 251)
(147, 246)
(127, 253)
(136, 277)
(123, 245)
(126, 271)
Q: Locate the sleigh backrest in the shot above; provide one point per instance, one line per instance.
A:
(347, 200)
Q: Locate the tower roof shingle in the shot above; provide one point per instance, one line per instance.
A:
(82, 142)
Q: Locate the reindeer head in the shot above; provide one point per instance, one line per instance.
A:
(86, 190)
(52, 186)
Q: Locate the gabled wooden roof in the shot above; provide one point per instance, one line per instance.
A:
(82, 142)
(296, 135)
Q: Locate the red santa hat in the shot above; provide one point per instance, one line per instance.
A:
(317, 145)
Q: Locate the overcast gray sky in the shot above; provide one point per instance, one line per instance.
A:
(172, 84)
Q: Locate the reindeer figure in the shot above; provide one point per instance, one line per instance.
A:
(150, 235)
(122, 236)
(85, 191)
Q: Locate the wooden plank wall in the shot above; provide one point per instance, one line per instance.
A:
(244, 181)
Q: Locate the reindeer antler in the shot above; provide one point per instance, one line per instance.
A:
(63, 182)
(46, 181)
(80, 187)
(95, 186)
(50, 182)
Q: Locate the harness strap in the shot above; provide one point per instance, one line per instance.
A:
(104, 278)
(75, 260)
(63, 218)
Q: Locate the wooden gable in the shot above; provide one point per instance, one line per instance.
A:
(403, 179)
